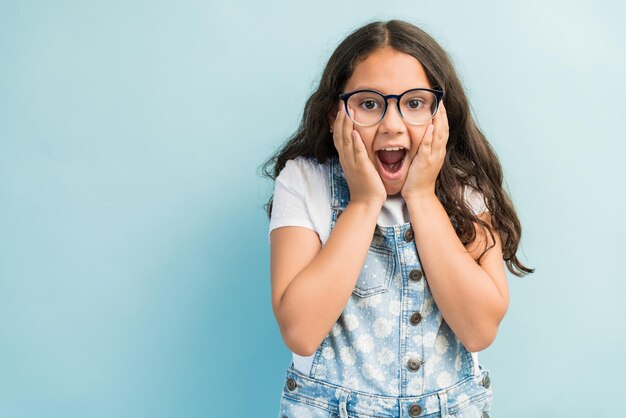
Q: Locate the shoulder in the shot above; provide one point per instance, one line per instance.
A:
(471, 193)
(475, 197)
(303, 170)
(306, 164)
(476, 200)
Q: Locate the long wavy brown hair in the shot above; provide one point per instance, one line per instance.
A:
(470, 159)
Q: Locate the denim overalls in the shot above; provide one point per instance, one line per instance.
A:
(390, 353)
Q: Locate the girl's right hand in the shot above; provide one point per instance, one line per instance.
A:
(363, 180)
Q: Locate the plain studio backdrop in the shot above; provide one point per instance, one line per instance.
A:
(134, 261)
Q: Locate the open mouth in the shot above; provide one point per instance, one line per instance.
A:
(391, 160)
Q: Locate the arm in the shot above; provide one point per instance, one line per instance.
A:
(471, 297)
(311, 284)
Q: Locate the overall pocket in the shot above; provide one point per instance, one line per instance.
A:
(294, 407)
(479, 405)
(377, 271)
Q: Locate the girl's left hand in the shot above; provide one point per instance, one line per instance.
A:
(428, 159)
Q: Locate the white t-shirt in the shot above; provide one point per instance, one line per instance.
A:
(302, 198)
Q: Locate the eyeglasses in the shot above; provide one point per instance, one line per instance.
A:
(416, 106)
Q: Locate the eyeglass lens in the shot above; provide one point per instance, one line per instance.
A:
(416, 107)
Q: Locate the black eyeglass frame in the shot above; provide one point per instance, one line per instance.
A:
(345, 96)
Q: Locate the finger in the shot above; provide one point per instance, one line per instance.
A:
(339, 140)
(445, 129)
(437, 134)
(425, 147)
(444, 119)
(360, 153)
(345, 136)
(348, 127)
(337, 131)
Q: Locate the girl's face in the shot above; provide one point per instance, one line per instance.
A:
(389, 71)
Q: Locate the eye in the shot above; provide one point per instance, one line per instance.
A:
(369, 104)
(418, 100)
(415, 104)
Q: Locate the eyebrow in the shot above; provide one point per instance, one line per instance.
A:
(380, 90)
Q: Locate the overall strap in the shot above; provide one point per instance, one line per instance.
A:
(339, 191)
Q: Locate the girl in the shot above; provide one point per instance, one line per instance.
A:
(387, 277)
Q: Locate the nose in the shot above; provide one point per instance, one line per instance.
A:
(392, 121)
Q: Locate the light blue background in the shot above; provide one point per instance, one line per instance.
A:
(134, 261)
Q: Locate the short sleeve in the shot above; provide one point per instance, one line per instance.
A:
(289, 206)
(476, 200)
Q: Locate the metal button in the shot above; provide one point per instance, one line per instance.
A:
(415, 410)
(416, 318)
(291, 384)
(416, 275)
(408, 235)
(413, 364)
(486, 382)
(485, 415)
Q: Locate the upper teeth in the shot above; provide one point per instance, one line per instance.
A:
(392, 149)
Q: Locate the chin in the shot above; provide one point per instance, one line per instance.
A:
(393, 189)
